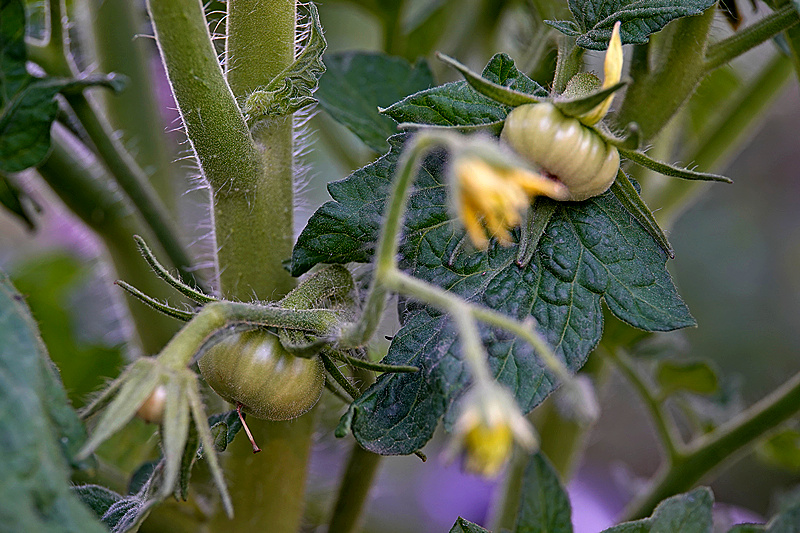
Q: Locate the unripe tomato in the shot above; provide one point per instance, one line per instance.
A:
(562, 147)
(254, 369)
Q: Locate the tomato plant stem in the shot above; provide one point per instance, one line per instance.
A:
(723, 444)
(353, 490)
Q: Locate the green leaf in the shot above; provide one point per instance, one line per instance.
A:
(465, 526)
(458, 104)
(567, 27)
(589, 251)
(782, 450)
(13, 75)
(292, 88)
(58, 296)
(41, 432)
(692, 376)
(27, 104)
(118, 513)
(544, 506)
(687, 513)
(629, 197)
(356, 84)
(224, 427)
(786, 522)
(640, 18)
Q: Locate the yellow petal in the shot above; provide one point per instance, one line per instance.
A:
(487, 449)
(612, 75)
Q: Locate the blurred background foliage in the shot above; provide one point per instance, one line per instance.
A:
(737, 260)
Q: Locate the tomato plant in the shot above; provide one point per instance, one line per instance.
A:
(491, 259)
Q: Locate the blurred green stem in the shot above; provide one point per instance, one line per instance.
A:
(665, 427)
(353, 490)
(84, 185)
(120, 48)
(725, 443)
(733, 127)
(55, 58)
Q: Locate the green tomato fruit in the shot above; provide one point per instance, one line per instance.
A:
(563, 147)
(254, 369)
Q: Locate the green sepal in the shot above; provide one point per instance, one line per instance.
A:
(537, 219)
(627, 195)
(292, 88)
(631, 138)
(575, 107)
(496, 92)
(669, 170)
(493, 128)
(187, 462)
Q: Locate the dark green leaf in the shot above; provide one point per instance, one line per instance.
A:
(691, 376)
(40, 431)
(639, 18)
(786, 522)
(465, 526)
(747, 528)
(98, 499)
(687, 513)
(356, 84)
(628, 196)
(13, 75)
(544, 506)
(567, 27)
(26, 118)
(589, 250)
(458, 104)
(187, 462)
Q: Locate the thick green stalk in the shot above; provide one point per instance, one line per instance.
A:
(751, 36)
(353, 490)
(652, 101)
(84, 185)
(134, 111)
(254, 235)
(734, 127)
(255, 230)
(708, 452)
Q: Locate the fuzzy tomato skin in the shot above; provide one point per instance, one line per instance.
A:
(562, 147)
(152, 410)
(254, 369)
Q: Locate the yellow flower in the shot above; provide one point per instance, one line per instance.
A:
(499, 195)
(612, 75)
(485, 432)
